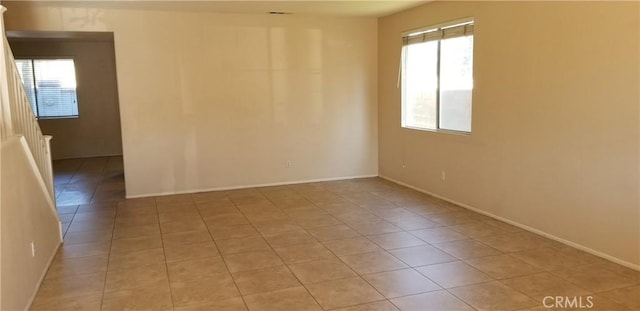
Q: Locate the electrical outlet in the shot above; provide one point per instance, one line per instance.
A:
(443, 175)
(33, 249)
(288, 164)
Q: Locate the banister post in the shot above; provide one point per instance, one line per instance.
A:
(49, 168)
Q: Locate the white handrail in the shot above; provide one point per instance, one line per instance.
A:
(16, 114)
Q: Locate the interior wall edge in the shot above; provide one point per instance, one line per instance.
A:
(521, 226)
(295, 182)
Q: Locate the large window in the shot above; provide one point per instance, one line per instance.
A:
(437, 77)
(50, 86)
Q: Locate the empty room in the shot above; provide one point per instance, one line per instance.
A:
(320, 155)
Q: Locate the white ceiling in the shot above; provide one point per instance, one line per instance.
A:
(307, 7)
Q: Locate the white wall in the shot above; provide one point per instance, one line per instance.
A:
(27, 215)
(223, 100)
(555, 141)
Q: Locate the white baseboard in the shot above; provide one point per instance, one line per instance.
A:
(248, 186)
(44, 274)
(522, 226)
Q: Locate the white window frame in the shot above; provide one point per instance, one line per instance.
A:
(417, 32)
(36, 113)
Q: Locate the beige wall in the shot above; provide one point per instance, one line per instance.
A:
(224, 100)
(555, 142)
(27, 215)
(97, 131)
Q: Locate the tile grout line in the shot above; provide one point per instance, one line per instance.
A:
(220, 252)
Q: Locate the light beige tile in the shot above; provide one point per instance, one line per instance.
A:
(191, 214)
(343, 293)
(351, 246)
(186, 237)
(242, 245)
(579, 255)
(431, 301)
(87, 237)
(71, 286)
(65, 267)
(379, 261)
(303, 253)
(538, 286)
(413, 223)
(92, 225)
(289, 238)
(135, 244)
(226, 219)
(272, 227)
(454, 274)
(203, 290)
(399, 283)
(383, 305)
(601, 303)
(466, 249)
(304, 212)
(139, 202)
(396, 240)
(596, 279)
(511, 242)
(548, 258)
(182, 226)
(230, 304)
(184, 271)
(85, 249)
(233, 232)
(90, 302)
(180, 252)
(373, 227)
(136, 219)
(123, 231)
(183, 210)
(421, 255)
(629, 296)
(95, 214)
(174, 199)
(136, 259)
(619, 269)
(137, 210)
(493, 296)
(502, 266)
(296, 298)
(502, 225)
(477, 229)
(438, 235)
(334, 232)
(128, 278)
(209, 197)
(252, 260)
(265, 280)
(145, 298)
(317, 221)
(451, 218)
(211, 210)
(321, 270)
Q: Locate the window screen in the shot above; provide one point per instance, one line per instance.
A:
(51, 86)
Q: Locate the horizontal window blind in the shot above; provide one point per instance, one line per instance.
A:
(454, 31)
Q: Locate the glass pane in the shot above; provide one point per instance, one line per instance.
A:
(420, 85)
(456, 78)
(56, 88)
(25, 69)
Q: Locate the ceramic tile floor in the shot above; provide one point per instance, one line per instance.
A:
(364, 244)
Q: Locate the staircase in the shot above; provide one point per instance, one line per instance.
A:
(30, 231)
(17, 115)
